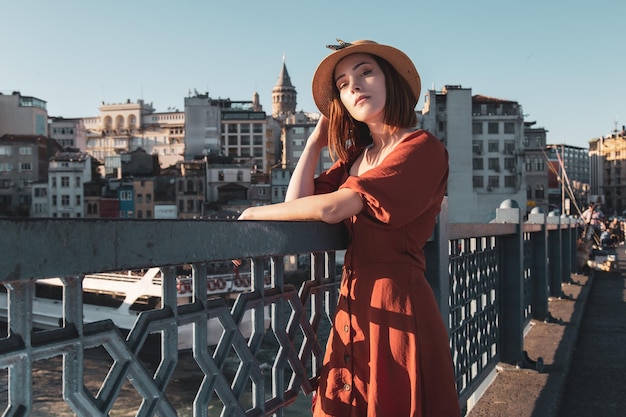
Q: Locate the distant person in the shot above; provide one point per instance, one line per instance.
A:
(388, 353)
(593, 218)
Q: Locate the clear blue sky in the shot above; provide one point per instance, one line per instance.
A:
(563, 60)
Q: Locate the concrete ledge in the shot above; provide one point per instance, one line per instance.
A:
(521, 392)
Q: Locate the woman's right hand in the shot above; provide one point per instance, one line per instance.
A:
(318, 139)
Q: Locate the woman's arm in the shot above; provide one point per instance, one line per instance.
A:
(329, 208)
(301, 183)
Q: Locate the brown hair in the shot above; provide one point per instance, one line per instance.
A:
(347, 136)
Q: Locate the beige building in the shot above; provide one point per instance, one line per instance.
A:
(125, 127)
(607, 156)
(144, 198)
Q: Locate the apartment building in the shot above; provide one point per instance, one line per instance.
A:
(67, 174)
(23, 163)
(536, 166)
(69, 133)
(568, 178)
(484, 137)
(23, 115)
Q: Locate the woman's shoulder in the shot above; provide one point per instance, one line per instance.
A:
(423, 139)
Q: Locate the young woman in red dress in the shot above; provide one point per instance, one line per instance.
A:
(388, 353)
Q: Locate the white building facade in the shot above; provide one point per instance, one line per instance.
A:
(484, 138)
(67, 174)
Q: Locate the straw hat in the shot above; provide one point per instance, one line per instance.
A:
(323, 83)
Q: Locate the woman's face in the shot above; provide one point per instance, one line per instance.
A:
(361, 86)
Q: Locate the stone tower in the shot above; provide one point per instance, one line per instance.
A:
(283, 95)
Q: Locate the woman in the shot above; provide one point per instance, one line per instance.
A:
(388, 352)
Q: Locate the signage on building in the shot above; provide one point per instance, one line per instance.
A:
(166, 211)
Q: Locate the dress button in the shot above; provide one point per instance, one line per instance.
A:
(346, 358)
(346, 328)
(347, 387)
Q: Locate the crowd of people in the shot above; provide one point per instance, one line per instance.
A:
(605, 231)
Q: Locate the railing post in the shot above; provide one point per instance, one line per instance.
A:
(566, 230)
(574, 248)
(554, 255)
(539, 245)
(511, 256)
(437, 255)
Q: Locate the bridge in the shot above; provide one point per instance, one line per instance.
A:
(492, 282)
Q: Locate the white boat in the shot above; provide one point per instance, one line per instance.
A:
(120, 297)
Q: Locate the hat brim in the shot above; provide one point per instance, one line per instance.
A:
(323, 83)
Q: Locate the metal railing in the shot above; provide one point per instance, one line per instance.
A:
(490, 280)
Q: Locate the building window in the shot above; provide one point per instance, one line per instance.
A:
(139, 198)
(477, 163)
(65, 182)
(477, 147)
(494, 181)
(529, 193)
(26, 166)
(477, 181)
(494, 146)
(77, 182)
(509, 181)
(5, 151)
(509, 127)
(493, 128)
(54, 200)
(78, 200)
(126, 195)
(139, 214)
(494, 163)
(65, 200)
(239, 175)
(539, 192)
(148, 214)
(26, 150)
(148, 198)
(477, 128)
(220, 176)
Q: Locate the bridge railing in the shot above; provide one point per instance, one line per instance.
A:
(489, 279)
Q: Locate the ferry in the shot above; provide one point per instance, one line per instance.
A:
(122, 296)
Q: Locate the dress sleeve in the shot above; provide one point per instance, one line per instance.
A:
(407, 183)
(330, 180)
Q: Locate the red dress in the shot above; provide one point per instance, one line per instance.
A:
(388, 353)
